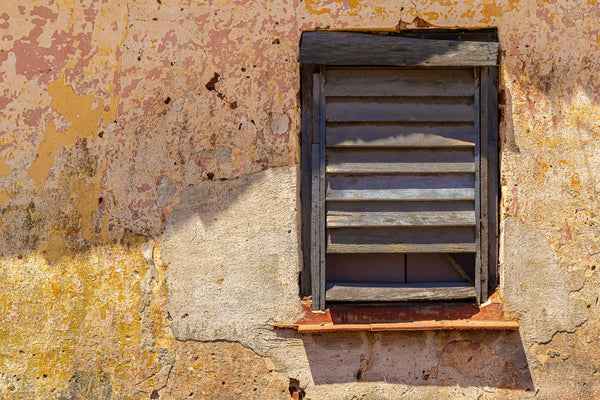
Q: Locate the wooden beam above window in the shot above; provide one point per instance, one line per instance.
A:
(357, 48)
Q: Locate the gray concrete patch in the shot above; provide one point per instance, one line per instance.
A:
(232, 253)
(535, 287)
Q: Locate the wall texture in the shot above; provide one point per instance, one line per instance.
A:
(149, 214)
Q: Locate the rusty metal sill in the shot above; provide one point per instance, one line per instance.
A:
(489, 316)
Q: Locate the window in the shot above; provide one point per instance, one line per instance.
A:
(400, 167)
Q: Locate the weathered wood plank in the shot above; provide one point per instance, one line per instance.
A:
(356, 292)
(343, 109)
(399, 161)
(479, 262)
(399, 219)
(400, 206)
(493, 177)
(383, 155)
(305, 188)
(316, 106)
(401, 194)
(400, 187)
(401, 240)
(322, 201)
(322, 47)
(394, 82)
(400, 168)
(489, 176)
(383, 182)
(339, 248)
(315, 215)
(398, 134)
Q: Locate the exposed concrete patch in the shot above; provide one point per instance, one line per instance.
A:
(232, 253)
(535, 287)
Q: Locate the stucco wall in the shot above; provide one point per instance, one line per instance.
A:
(149, 232)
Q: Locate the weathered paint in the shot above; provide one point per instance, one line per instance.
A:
(107, 125)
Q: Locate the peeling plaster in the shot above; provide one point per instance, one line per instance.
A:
(110, 140)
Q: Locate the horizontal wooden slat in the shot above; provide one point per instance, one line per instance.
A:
(402, 194)
(390, 82)
(405, 219)
(339, 248)
(378, 161)
(322, 47)
(401, 240)
(373, 134)
(399, 168)
(400, 187)
(364, 292)
(398, 109)
(400, 206)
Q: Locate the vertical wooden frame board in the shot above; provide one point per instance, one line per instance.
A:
(489, 132)
(315, 219)
(478, 184)
(305, 178)
(322, 185)
(484, 171)
(317, 259)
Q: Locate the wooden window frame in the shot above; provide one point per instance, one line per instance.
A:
(414, 49)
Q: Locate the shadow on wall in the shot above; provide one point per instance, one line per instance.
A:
(441, 358)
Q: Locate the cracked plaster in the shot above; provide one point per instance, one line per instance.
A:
(535, 287)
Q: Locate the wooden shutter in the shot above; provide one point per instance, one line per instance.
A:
(401, 198)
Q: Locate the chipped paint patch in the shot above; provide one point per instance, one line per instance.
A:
(4, 168)
(83, 115)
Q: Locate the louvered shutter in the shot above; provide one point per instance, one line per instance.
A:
(397, 179)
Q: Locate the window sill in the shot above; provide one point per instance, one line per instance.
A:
(490, 316)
